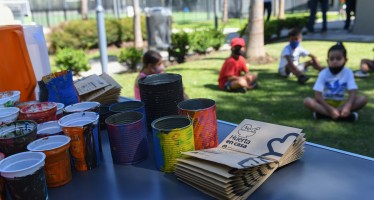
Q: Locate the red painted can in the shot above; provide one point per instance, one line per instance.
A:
(39, 112)
(203, 114)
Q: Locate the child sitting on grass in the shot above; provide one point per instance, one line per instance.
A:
(366, 66)
(230, 77)
(289, 61)
(330, 87)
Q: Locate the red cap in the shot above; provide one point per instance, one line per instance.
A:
(237, 42)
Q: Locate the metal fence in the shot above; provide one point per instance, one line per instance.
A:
(53, 12)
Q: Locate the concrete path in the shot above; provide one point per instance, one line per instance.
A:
(335, 32)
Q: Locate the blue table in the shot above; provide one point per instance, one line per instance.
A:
(323, 173)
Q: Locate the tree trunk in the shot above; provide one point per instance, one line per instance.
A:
(256, 48)
(138, 43)
(281, 10)
(84, 9)
(275, 8)
(225, 11)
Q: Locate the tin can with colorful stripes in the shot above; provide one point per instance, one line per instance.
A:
(203, 114)
(127, 132)
(172, 135)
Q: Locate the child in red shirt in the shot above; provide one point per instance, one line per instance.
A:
(230, 76)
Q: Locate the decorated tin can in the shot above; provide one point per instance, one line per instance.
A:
(172, 135)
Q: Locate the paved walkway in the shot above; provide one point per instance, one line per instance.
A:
(336, 32)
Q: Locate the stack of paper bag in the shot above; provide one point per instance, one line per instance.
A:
(103, 89)
(243, 161)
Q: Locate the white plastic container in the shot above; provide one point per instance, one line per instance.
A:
(24, 175)
(8, 115)
(9, 98)
(83, 107)
(21, 164)
(38, 52)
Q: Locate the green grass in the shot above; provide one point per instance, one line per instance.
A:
(279, 100)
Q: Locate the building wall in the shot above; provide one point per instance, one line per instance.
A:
(364, 15)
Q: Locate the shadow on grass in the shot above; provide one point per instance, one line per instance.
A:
(213, 58)
(212, 87)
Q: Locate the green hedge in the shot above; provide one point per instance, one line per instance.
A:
(274, 27)
(198, 41)
(72, 59)
(82, 34)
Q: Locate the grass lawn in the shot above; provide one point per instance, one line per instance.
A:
(279, 100)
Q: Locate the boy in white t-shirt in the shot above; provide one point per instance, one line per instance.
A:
(289, 62)
(330, 88)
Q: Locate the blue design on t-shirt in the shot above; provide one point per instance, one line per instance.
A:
(335, 89)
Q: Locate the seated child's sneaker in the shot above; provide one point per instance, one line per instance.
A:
(360, 74)
(302, 79)
(254, 85)
(317, 115)
(353, 117)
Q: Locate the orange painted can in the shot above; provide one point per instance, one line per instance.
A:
(203, 114)
(57, 163)
(82, 128)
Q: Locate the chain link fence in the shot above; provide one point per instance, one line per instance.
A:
(52, 12)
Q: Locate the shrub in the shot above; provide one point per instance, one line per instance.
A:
(71, 59)
(82, 34)
(127, 28)
(217, 38)
(131, 56)
(179, 46)
(274, 27)
(113, 32)
(200, 41)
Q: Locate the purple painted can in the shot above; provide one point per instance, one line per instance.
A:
(127, 132)
(136, 106)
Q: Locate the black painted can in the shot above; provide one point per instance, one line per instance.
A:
(24, 176)
(161, 94)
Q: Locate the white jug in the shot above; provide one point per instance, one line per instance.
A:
(38, 52)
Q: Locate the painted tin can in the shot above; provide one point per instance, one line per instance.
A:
(203, 114)
(161, 94)
(39, 112)
(137, 106)
(171, 135)
(104, 114)
(127, 132)
(20, 105)
(57, 163)
(49, 129)
(24, 176)
(15, 137)
(83, 130)
(88, 106)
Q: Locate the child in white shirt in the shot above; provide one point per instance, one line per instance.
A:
(289, 62)
(330, 89)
